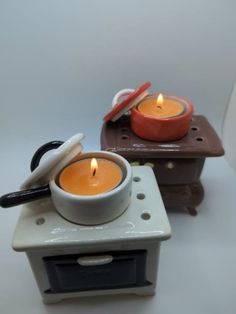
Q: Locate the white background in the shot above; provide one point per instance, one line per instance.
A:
(61, 62)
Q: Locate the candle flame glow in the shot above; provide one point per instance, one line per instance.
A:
(160, 99)
(94, 166)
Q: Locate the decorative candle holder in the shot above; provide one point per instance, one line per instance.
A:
(161, 129)
(119, 257)
(109, 242)
(177, 164)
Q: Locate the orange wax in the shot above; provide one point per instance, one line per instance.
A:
(79, 179)
(167, 109)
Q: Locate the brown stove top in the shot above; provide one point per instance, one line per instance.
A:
(201, 141)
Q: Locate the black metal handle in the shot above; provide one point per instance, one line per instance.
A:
(21, 197)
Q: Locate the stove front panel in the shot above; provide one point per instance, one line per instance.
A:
(109, 270)
(173, 171)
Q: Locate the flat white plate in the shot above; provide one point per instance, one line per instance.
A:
(55, 162)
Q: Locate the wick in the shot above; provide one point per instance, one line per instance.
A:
(159, 107)
(94, 172)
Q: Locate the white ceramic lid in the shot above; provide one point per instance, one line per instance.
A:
(59, 158)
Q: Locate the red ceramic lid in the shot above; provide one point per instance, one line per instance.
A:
(119, 109)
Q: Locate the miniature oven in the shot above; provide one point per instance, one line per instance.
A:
(121, 256)
(176, 164)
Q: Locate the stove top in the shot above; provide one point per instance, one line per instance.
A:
(200, 141)
(41, 227)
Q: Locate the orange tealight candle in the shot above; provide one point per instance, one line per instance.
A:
(161, 107)
(90, 176)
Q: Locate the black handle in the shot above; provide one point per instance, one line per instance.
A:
(41, 151)
(21, 197)
(25, 196)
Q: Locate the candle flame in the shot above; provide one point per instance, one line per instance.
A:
(160, 99)
(94, 166)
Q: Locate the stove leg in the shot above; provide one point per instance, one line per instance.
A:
(51, 301)
(192, 211)
(145, 294)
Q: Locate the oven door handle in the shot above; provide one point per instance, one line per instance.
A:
(95, 260)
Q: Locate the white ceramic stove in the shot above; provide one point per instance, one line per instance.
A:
(70, 260)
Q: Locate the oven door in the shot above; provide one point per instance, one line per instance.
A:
(109, 270)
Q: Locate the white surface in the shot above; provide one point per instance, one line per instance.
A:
(229, 130)
(76, 55)
(61, 63)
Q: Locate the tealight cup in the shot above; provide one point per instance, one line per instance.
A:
(99, 208)
(162, 129)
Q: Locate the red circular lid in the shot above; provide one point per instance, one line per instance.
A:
(118, 108)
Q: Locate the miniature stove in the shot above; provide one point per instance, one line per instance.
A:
(70, 260)
(176, 164)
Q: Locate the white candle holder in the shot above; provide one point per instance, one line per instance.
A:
(95, 209)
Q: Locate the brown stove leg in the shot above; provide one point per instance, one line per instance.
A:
(192, 211)
(187, 196)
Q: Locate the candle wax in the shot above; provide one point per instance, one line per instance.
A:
(79, 179)
(169, 108)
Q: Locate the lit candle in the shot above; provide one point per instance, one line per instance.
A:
(162, 107)
(162, 118)
(90, 176)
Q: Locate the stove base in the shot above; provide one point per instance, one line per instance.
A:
(57, 299)
(118, 257)
(182, 196)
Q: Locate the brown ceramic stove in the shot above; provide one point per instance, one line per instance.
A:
(177, 164)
